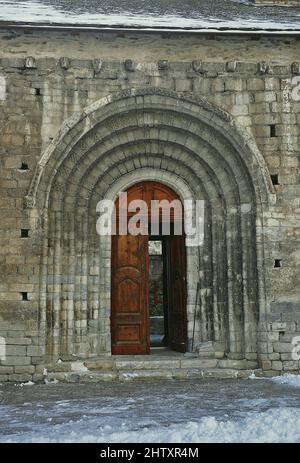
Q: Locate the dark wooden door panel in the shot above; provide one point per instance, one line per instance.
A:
(130, 306)
(177, 294)
(130, 280)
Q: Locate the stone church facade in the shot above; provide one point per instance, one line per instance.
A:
(87, 114)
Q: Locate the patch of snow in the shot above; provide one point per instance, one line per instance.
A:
(160, 411)
(29, 383)
(253, 376)
(289, 379)
(52, 381)
(78, 366)
(274, 425)
(202, 16)
(129, 375)
(2, 98)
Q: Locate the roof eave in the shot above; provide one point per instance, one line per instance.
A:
(65, 27)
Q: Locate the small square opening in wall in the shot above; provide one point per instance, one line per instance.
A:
(24, 166)
(24, 295)
(277, 263)
(25, 232)
(275, 179)
(37, 91)
(273, 130)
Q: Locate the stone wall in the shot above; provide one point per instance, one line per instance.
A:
(48, 77)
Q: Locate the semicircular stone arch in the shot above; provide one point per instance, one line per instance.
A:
(185, 143)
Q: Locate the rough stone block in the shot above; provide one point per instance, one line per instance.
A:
(255, 84)
(231, 66)
(104, 376)
(282, 347)
(278, 326)
(266, 365)
(219, 373)
(202, 86)
(235, 85)
(270, 373)
(237, 364)
(20, 378)
(137, 375)
(4, 370)
(104, 364)
(18, 341)
(15, 350)
(24, 369)
(183, 85)
(12, 361)
(37, 378)
(291, 365)
(33, 351)
(286, 356)
(276, 365)
(199, 363)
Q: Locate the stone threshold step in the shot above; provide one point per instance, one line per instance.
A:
(141, 375)
(171, 363)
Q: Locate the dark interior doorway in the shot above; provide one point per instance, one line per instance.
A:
(167, 298)
(149, 283)
(157, 293)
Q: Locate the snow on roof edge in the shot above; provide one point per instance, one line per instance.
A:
(102, 28)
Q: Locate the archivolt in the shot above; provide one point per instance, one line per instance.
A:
(197, 116)
(167, 137)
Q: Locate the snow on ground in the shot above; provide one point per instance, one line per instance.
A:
(163, 411)
(277, 425)
(289, 379)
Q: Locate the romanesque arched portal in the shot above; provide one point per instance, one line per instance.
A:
(186, 144)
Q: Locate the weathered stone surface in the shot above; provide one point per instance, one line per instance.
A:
(282, 347)
(100, 364)
(231, 66)
(292, 365)
(20, 378)
(33, 351)
(147, 364)
(201, 363)
(237, 364)
(180, 373)
(219, 373)
(18, 341)
(30, 62)
(12, 360)
(83, 116)
(270, 373)
(276, 365)
(99, 377)
(38, 378)
(24, 369)
(266, 365)
(138, 375)
(15, 350)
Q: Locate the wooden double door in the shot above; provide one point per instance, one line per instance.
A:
(130, 320)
